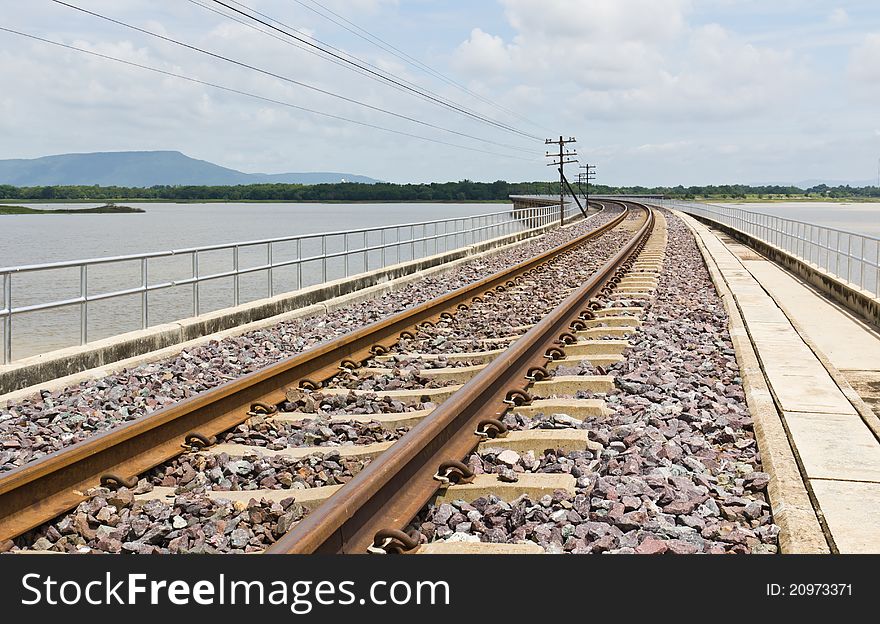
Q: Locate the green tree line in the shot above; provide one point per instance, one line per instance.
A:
(464, 190)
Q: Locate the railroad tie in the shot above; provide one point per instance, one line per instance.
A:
(533, 485)
(392, 421)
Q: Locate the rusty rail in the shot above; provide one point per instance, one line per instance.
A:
(41, 490)
(389, 492)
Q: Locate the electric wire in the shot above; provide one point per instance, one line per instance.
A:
(323, 43)
(403, 56)
(363, 66)
(311, 51)
(269, 73)
(256, 96)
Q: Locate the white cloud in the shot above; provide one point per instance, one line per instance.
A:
(627, 20)
(359, 6)
(864, 62)
(483, 55)
(838, 17)
(626, 59)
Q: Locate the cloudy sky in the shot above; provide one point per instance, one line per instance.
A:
(656, 91)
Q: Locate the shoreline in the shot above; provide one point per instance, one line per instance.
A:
(20, 209)
(30, 202)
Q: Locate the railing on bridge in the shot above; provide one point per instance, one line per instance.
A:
(284, 264)
(849, 256)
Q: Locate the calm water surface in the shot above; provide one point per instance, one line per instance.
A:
(32, 239)
(36, 239)
(861, 218)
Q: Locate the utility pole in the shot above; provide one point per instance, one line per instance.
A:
(589, 174)
(560, 160)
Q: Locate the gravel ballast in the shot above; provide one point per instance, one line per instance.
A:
(679, 472)
(39, 425)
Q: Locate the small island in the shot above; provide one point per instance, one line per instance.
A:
(105, 209)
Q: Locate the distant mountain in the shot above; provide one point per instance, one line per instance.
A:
(146, 169)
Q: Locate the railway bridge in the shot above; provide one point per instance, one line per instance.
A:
(646, 376)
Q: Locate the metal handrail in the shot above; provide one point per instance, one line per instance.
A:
(849, 256)
(240, 244)
(466, 230)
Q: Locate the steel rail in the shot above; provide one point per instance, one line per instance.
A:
(394, 487)
(41, 490)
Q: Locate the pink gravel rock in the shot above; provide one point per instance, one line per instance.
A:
(652, 546)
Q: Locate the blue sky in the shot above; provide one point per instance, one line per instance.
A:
(656, 91)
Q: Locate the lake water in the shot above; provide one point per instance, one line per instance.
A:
(37, 239)
(861, 218)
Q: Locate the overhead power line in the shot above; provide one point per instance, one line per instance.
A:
(255, 96)
(380, 43)
(311, 51)
(270, 73)
(354, 61)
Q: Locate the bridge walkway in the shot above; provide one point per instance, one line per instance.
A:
(822, 365)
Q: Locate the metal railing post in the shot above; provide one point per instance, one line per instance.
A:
(145, 302)
(271, 262)
(324, 258)
(195, 273)
(862, 265)
(7, 320)
(299, 264)
(84, 306)
(877, 268)
(345, 254)
(235, 278)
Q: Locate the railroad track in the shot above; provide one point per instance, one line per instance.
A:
(454, 388)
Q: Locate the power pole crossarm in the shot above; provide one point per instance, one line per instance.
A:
(562, 158)
(589, 174)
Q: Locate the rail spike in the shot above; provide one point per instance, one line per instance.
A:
(537, 373)
(517, 398)
(491, 428)
(262, 409)
(114, 481)
(196, 441)
(568, 338)
(348, 364)
(394, 542)
(453, 471)
(554, 353)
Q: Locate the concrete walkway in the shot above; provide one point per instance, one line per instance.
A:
(808, 348)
